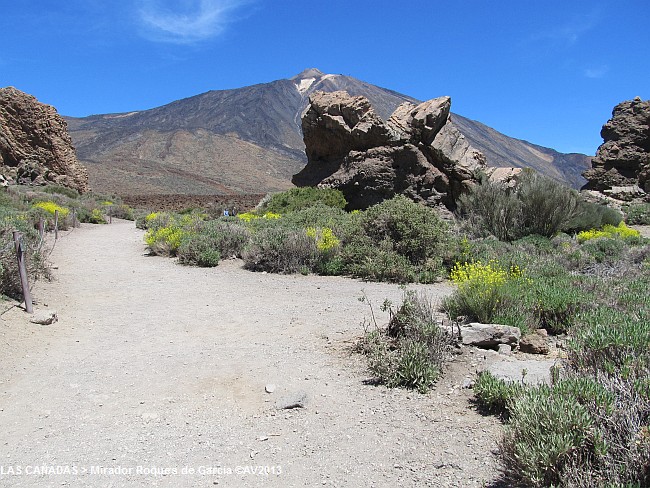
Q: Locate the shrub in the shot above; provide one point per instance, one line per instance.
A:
(610, 232)
(51, 208)
(537, 205)
(36, 263)
(300, 198)
(48, 209)
(96, 217)
(365, 259)
(480, 289)
(604, 249)
(592, 215)
(547, 428)
(554, 302)
(491, 209)
(638, 214)
(410, 352)
(122, 212)
(199, 250)
(416, 232)
(547, 207)
(612, 341)
(495, 395)
(280, 250)
(164, 241)
(61, 190)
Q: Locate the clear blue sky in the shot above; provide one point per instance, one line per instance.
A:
(549, 71)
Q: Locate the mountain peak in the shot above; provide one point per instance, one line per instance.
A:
(309, 73)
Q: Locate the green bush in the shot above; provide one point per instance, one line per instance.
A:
(481, 290)
(121, 212)
(495, 395)
(537, 205)
(612, 341)
(592, 216)
(372, 261)
(415, 232)
(604, 249)
(301, 198)
(491, 209)
(411, 351)
(199, 250)
(61, 190)
(281, 250)
(638, 214)
(36, 263)
(546, 429)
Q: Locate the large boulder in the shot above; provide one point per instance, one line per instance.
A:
(418, 152)
(621, 167)
(35, 147)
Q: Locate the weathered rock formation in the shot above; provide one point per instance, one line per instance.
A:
(418, 152)
(35, 147)
(621, 167)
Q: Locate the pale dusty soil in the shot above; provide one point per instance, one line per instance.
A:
(643, 229)
(156, 365)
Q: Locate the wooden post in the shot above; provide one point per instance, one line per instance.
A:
(41, 228)
(74, 218)
(18, 241)
(110, 214)
(56, 225)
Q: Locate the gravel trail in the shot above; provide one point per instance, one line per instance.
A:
(155, 375)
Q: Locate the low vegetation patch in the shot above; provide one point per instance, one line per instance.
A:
(411, 350)
(22, 208)
(535, 206)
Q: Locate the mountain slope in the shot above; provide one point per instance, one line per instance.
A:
(249, 140)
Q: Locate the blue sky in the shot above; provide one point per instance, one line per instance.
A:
(549, 72)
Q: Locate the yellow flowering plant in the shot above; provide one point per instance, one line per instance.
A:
(51, 208)
(480, 288)
(324, 237)
(621, 231)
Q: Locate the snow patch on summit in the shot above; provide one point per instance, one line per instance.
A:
(304, 84)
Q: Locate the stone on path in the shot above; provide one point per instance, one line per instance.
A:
(530, 372)
(44, 317)
(292, 400)
(489, 335)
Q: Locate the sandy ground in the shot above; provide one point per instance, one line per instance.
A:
(155, 375)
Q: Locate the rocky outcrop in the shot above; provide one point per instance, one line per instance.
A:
(35, 147)
(621, 167)
(418, 152)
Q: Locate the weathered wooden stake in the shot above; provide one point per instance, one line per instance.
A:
(74, 218)
(23, 271)
(56, 225)
(110, 214)
(41, 228)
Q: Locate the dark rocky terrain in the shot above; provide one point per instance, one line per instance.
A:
(249, 140)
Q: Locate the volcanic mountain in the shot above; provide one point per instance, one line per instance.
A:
(248, 140)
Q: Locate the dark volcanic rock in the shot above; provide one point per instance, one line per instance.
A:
(35, 147)
(622, 163)
(418, 152)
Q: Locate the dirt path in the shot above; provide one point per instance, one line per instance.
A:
(155, 375)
